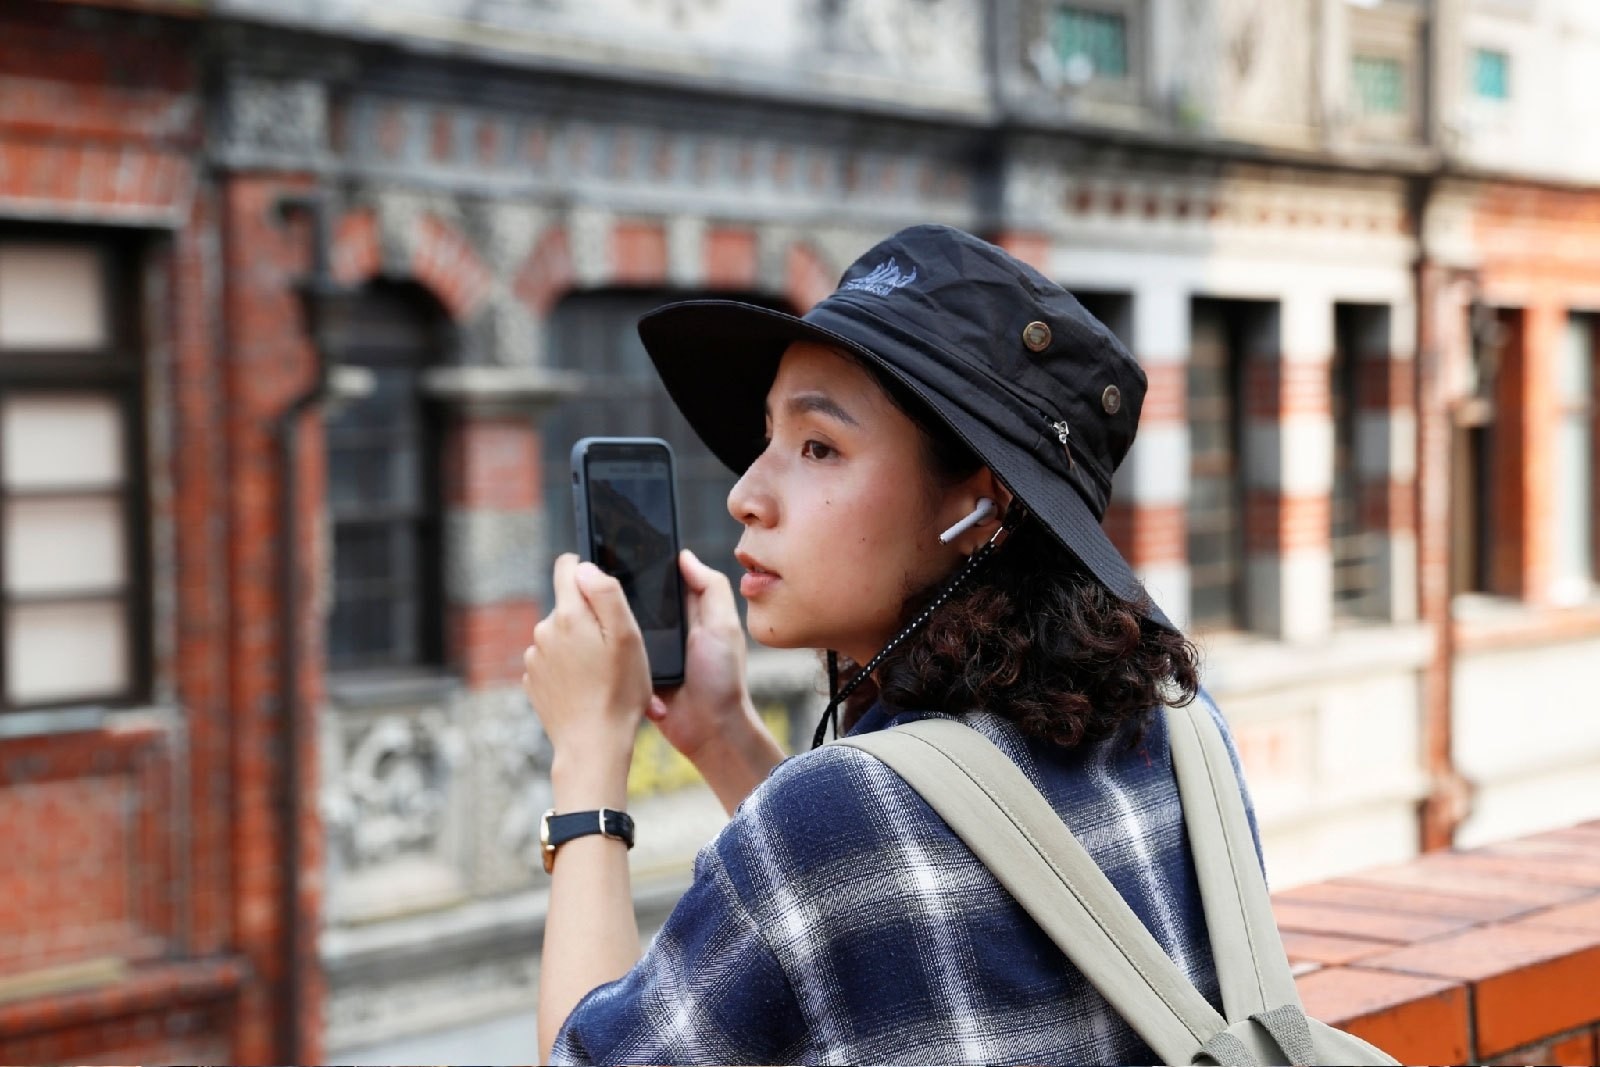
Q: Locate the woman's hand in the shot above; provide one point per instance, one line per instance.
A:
(710, 718)
(588, 681)
(587, 677)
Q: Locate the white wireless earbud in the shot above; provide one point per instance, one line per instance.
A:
(984, 509)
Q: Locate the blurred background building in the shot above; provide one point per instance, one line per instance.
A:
(302, 305)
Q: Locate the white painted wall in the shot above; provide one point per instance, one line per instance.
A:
(1330, 742)
(1527, 737)
(927, 54)
(1554, 47)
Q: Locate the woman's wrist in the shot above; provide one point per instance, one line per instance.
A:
(582, 780)
(738, 758)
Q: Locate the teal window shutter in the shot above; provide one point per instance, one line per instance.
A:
(1101, 37)
(1491, 74)
(1378, 85)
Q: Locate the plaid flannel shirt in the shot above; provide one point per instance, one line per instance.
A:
(837, 919)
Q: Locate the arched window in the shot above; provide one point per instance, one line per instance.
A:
(383, 492)
(595, 333)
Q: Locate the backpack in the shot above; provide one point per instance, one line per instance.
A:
(1012, 829)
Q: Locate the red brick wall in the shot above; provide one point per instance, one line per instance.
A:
(268, 364)
(155, 849)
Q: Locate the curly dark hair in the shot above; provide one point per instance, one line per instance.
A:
(1032, 636)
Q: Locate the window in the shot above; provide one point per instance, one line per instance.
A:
(383, 497)
(71, 498)
(1491, 74)
(1216, 487)
(1377, 85)
(596, 333)
(1360, 338)
(1575, 497)
(1113, 309)
(1091, 44)
(1487, 473)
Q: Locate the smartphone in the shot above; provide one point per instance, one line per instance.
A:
(626, 502)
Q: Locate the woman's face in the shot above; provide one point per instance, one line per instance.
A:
(841, 514)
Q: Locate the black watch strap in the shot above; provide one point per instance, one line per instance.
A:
(556, 830)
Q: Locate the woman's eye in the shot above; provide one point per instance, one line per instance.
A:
(816, 450)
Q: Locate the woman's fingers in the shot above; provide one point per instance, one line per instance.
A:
(605, 598)
(564, 582)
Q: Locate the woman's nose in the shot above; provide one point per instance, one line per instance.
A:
(749, 501)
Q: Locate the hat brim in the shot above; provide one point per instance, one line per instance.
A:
(719, 358)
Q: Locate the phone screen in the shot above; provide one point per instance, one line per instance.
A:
(632, 535)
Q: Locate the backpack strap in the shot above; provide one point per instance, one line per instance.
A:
(1031, 852)
(1252, 967)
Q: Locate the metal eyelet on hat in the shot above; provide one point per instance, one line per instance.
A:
(1036, 335)
(1111, 400)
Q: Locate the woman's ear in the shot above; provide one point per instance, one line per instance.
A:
(989, 485)
(980, 486)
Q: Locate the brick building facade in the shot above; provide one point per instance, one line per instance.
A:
(301, 309)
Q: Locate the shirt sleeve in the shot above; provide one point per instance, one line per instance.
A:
(708, 990)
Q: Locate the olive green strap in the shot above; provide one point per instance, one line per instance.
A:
(1252, 968)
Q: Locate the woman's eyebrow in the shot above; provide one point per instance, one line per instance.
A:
(818, 404)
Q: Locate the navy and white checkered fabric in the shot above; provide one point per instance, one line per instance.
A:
(836, 919)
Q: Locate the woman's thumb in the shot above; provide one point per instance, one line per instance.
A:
(696, 575)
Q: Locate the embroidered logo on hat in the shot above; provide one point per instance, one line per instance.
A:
(883, 279)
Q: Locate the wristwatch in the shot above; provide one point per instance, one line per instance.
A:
(556, 830)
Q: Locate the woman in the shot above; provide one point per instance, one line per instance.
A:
(924, 459)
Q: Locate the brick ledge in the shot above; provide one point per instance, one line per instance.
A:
(153, 987)
(1481, 955)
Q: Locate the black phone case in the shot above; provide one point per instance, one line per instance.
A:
(580, 508)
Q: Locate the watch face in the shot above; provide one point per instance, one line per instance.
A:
(546, 849)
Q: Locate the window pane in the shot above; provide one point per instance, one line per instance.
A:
(65, 651)
(1575, 369)
(60, 442)
(1574, 500)
(1491, 74)
(64, 546)
(1098, 37)
(1215, 540)
(51, 296)
(373, 447)
(1378, 85)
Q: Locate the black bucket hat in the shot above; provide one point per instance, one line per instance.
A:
(1040, 390)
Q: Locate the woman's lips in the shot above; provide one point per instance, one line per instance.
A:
(757, 579)
(754, 583)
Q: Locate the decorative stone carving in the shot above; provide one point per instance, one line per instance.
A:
(391, 796)
(589, 231)
(502, 333)
(903, 33)
(686, 238)
(264, 116)
(491, 556)
(399, 218)
(512, 761)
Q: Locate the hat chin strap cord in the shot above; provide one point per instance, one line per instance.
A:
(838, 695)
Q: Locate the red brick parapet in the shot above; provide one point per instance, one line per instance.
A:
(1490, 955)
